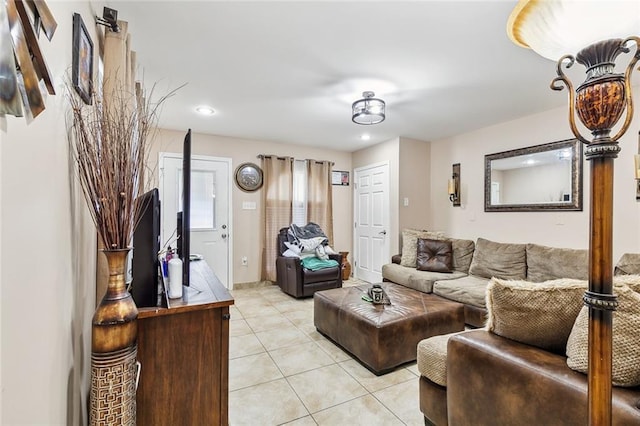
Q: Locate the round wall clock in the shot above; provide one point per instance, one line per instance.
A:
(249, 177)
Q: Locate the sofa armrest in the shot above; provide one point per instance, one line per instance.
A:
(396, 258)
(289, 274)
(493, 380)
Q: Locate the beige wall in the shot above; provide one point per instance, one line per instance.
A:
(246, 232)
(560, 229)
(47, 257)
(414, 183)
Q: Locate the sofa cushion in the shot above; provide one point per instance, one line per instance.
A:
(632, 281)
(462, 254)
(538, 314)
(434, 255)
(550, 263)
(410, 244)
(432, 358)
(500, 260)
(469, 290)
(628, 264)
(626, 339)
(412, 278)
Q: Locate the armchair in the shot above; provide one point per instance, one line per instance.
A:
(298, 282)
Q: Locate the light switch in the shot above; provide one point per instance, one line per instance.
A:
(248, 205)
(405, 202)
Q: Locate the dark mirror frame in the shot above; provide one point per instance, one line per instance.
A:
(576, 178)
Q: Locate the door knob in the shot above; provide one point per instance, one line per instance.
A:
(224, 235)
(224, 226)
(383, 232)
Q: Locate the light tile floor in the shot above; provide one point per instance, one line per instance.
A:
(282, 371)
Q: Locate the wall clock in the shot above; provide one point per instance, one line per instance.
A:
(249, 177)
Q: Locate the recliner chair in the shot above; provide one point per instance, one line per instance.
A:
(297, 281)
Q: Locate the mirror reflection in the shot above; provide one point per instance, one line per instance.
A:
(541, 177)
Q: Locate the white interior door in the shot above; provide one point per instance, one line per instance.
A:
(210, 208)
(371, 199)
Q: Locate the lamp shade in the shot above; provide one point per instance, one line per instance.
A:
(368, 110)
(553, 28)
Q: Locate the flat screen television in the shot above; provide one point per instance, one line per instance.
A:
(183, 219)
(146, 246)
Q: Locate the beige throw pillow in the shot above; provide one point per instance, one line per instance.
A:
(538, 314)
(626, 339)
(410, 244)
(500, 260)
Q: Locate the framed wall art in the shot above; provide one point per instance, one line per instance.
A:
(82, 66)
(339, 177)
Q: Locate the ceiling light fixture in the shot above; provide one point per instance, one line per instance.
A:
(368, 110)
(205, 110)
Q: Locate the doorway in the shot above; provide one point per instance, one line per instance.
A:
(210, 209)
(371, 214)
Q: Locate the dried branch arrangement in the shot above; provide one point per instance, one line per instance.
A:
(109, 141)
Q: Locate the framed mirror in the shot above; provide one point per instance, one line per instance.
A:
(538, 178)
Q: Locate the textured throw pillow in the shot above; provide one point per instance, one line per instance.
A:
(500, 260)
(410, 244)
(626, 339)
(538, 314)
(434, 255)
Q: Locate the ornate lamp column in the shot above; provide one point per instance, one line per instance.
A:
(600, 101)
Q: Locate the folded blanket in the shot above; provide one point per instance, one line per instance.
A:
(309, 238)
(308, 231)
(314, 264)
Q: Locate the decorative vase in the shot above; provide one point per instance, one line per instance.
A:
(114, 333)
(346, 266)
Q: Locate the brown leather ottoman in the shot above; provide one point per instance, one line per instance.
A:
(382, 337)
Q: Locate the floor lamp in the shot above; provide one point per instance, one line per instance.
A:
(598, 36)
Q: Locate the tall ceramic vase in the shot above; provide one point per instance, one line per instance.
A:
(114, 348)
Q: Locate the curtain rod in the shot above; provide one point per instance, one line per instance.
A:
(261, 156)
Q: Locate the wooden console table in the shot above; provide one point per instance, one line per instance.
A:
(184, 354)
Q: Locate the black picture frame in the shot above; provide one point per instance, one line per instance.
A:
(82, 61)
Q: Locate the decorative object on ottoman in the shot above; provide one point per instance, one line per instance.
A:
(383, 337)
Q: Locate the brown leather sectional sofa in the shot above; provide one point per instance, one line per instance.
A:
(474, 264)
(493, 380)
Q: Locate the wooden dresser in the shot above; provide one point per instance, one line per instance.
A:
(184, 354)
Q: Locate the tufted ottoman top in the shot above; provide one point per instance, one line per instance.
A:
(384, 336)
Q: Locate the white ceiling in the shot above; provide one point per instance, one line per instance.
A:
(289, 71)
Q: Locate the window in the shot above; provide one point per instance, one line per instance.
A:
(203, 198)
(299, 202)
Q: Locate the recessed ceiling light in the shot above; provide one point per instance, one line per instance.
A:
(205, 110)
(365, 137)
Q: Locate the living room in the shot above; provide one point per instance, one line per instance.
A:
(47, 306)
